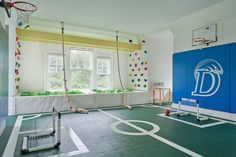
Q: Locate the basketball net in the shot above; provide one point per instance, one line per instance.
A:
(23, 16)
(23, 11)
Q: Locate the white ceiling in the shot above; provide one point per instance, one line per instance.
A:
(133, 16)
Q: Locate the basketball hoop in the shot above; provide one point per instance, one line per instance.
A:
(23, 10)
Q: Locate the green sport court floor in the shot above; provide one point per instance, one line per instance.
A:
(143, 131)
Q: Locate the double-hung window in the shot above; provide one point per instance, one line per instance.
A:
(81, 68)
(103, 73)
(55, 73)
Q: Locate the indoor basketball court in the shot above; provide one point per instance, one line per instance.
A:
(117, 78)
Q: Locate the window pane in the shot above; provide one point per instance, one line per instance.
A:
(55, 73)
(81, 59)
(80, 79)
(52, 60)
(59, 68)
(56, 81)
(59, 60)
(52, 68)
(103, 66)
(103, 82)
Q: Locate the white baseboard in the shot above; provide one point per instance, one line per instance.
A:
(214, 113)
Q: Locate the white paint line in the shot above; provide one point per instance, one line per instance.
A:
(11, 145)
(207, 125)
(193, 124)
(193, 114)
(173, 109)
(174, 145)
(36, 116)
(179, 120)
(77, 140)
(214, 118)
(67, 154)
(3, 126)
(155, 128)
(33, 131)
(159, 107)
(213, 124)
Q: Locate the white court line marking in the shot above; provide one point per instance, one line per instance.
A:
(155, 128)
(205, 125)
(173, 109)
(78, 143)
(36, 116)
(76, 140)
(3, 126)
(179, 120)
(214, 124)
(189, 123)
(11, 145)
(40, 130)
(172, 144)
(158, 107)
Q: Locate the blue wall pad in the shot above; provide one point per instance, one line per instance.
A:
(4, 56)
(220, 99)
(180, 76)
(194, 57)
(233, 78)
(205, 75)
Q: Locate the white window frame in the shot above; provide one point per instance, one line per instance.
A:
(104, 56)
(69, 70)
(46, 78)
(96, 53)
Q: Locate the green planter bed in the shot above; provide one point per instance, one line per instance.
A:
(47, 93)
(111, 91)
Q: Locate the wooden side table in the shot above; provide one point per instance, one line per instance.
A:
(161, 95)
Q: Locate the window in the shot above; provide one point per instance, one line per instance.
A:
(81, 67)
(103, 73)
(55, 73)
(83, 70)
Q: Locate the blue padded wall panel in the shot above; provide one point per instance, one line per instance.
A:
(220, 100)
(179, 76)
(194, 57)
(4, 56)
(233, 78)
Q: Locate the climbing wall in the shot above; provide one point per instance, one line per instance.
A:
(138, 69)
(17, 65)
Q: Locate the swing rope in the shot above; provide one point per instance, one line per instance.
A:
(119, 73)
(68, 100)
(64, 68)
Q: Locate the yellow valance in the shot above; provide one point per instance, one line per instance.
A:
(53, 38)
